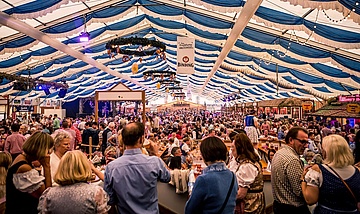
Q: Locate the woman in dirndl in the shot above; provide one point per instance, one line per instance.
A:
(251, 124)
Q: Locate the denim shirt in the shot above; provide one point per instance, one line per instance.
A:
(210, 191)
(131, 182)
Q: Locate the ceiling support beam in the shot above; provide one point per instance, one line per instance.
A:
(246, 13)
(22, 27)
(90, 45)
(62, 19)
(263, 29)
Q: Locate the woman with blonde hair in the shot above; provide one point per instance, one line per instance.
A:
(247, 168)
(75, 194)
(24, 184)
(333, 185)
(61, 146)
(5, 163)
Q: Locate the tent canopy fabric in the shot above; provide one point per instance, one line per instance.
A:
(289, 48)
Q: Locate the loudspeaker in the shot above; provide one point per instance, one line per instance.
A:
(47, 91)
(62, 92)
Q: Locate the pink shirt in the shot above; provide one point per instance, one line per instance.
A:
(14, 143)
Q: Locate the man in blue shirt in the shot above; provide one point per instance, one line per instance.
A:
(131, 179)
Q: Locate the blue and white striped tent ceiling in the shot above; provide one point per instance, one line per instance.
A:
(289, 48)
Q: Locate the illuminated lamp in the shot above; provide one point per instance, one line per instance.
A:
(84, 36)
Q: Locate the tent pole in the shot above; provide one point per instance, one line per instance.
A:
(277, 79)
(345, 88)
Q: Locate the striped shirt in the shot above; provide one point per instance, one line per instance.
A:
(286, 171)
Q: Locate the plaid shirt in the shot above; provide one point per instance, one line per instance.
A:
(286, 171)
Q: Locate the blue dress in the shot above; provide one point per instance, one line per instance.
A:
(334, 196)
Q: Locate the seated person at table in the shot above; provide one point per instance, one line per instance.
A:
(110, 154)
(266, 136)
(75, 194)
(174, 161)
(271, 153)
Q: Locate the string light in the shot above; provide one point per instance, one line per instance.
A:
(344, 17)
(7, 58)
(337, 20)
(310, 35)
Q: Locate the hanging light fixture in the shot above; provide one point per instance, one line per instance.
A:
(84, 36)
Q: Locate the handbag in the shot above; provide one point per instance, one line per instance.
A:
(240, 203)
(240, 206)
(228, 195)
(347, 186)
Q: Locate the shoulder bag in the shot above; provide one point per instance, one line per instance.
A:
(240, 203)
(347, 186)
(228, 195)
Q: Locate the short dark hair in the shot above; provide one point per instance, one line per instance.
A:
(88, 124)
(174, 149)
(15, 127)
(65, 124)
(269, 151)
(132, 132)
(293, 133)
(213, 149)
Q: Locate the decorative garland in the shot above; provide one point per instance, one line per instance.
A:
(168, 82)
(113, 47)
(27, 81)
(161, 74)
(175, 88)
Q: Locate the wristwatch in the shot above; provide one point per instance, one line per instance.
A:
(303, 180)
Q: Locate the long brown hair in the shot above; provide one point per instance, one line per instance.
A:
(245, 149)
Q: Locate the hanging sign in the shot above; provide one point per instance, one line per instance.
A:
(353, 108)
(185, 55)
(24, 108)
(307, 106)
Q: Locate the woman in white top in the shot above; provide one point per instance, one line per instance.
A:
(24, 185)
(322, 183)
(61, 146)
(246, 166)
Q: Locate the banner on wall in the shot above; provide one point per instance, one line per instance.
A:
(185, 55)
(24, 108)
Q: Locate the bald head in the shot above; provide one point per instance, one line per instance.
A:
(132, 132)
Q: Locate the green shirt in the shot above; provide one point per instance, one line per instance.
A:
(56, 123)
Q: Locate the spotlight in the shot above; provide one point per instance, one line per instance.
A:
(62, 92)
(84, 37)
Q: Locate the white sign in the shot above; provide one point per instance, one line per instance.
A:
(185, 55)
(121, 95)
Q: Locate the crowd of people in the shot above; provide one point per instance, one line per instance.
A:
(42, 160)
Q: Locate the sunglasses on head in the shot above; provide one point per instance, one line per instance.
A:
(302, 141)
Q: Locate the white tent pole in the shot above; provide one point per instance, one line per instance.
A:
(246, 13)
(22, 27)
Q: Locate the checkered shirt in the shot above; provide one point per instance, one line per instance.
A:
(286, 171)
